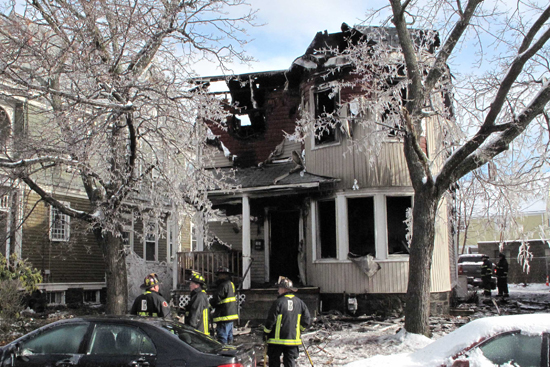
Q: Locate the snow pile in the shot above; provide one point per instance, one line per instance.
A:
(359, 342)
(439, 352)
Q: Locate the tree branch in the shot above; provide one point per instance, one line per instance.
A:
(488, 125)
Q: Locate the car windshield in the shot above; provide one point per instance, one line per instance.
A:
(199, 341)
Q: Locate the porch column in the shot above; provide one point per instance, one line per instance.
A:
(199, 231)
(174, 235)
(246, 243)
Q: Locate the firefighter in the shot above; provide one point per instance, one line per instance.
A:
(225, 304)
(502, 275)
(486, 273)
(151, 302)
(287, 318)
(197, 310)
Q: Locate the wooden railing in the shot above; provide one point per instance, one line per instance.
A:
(207, 262)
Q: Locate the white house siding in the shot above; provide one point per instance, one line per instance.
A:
(219, 160)
(441, 277)
(389, 171)
(288, 148)
(346, 277)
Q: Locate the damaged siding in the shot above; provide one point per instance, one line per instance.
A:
(280, 110)
(344, 161)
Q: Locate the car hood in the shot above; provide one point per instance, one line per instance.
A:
(401, 360)
(441, 351)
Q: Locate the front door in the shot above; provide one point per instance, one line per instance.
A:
(284, 244)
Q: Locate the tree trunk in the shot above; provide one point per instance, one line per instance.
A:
(115, 272)
(417, 308)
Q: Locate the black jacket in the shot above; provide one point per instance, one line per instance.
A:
(224, 301)
(287, 318)
(502, 268)
(152, 304)
(196, 311)
(486, 269)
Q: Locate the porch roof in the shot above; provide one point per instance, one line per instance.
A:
(273, 177)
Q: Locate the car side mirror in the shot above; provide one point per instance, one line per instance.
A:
(461, 363)
(17, 353)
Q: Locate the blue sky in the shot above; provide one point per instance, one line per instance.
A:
(290, 26)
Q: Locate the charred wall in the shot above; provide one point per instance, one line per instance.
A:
(252, 144)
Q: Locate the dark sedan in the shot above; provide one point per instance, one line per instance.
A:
(122, 341)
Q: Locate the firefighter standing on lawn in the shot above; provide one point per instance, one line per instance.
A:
(225, 304)
(486, 274)
(287, 318)
(151, 303)
(198, 308)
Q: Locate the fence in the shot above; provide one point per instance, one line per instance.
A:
(539, 268)
(207, 262)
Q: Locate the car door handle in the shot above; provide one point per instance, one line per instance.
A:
(65, 362)
(140, 363)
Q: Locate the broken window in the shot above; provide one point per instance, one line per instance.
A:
(396, 211)
(249, 96)
(359, 216)
(327, 228)
(361, 226)
(326, 106)
(247, 125)
(391, 117)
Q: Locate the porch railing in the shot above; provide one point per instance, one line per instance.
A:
(207, 262)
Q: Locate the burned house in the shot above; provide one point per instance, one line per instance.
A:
(326, 215)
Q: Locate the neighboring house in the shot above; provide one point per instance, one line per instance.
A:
(532, 228)
(301, 211)
(64, 249)
(531, 225)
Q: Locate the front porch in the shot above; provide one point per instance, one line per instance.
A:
(254, 301)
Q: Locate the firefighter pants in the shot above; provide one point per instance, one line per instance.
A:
(290, 353)
(486, 281)
(502, 284)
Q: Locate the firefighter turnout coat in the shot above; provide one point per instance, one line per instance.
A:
(152, 304)
(225, 302)
(197, 310)
(287, 318)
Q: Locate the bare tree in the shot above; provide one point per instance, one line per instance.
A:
(495, 201)
(409, 85)
(106, 85)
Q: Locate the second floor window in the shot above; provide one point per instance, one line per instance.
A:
(326, 106)
(151, 243)
(60, 229)
(5, 127)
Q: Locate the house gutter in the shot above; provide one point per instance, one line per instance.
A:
(311, 185)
